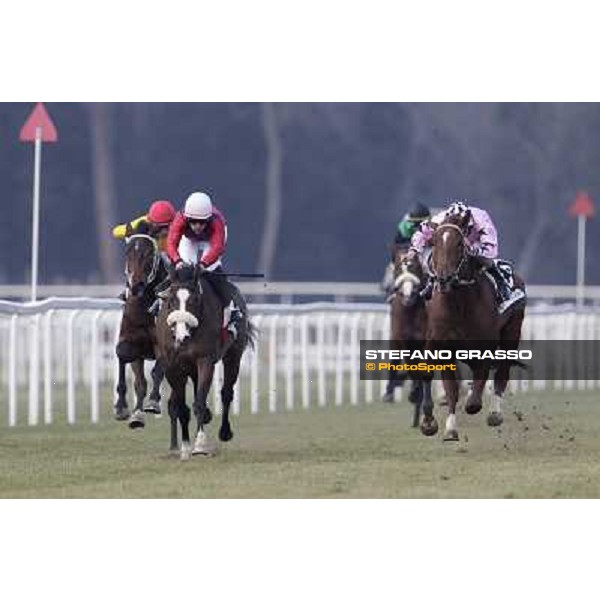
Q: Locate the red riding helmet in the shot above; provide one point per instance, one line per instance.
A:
(161, 212)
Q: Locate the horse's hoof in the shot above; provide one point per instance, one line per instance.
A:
(207, 416)
(429, 427)
(153, 407)
(495, 419)
(137, 420)
(388, 398)
(208, 449)
(122, 414)
(225, 434)
(451, 436)
(186, 453)
(473, 405)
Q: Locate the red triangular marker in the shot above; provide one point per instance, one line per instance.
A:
(582, 206)
(38, 118)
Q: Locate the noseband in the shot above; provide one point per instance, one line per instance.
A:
(454, 277)
(155, 257)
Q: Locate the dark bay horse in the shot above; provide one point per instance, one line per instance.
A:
(408, 321)
(191, 340)
(463, 309)
(137, 337)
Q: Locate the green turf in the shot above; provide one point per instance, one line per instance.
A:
(548, 447)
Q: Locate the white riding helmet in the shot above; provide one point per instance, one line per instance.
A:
(198, 206)
(460, 209)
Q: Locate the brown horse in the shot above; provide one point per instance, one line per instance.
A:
(463, 309)
(408, 323)
(137, 337)
(191, 340)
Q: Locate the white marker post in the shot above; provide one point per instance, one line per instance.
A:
(37, 129)
(35, 237)
(582, 208)
(581, 221)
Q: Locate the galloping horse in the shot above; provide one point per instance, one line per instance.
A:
(408, 323)
(137, 338)
(463, 309)
(191, 340)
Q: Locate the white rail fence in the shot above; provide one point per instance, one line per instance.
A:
(57, 357)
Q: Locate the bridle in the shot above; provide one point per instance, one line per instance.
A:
(155, 258)
(454, 277)
(405, 281)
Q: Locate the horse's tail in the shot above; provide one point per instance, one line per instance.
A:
(251, 334)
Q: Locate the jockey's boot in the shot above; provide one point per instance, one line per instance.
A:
(504, 290)
(226, 292)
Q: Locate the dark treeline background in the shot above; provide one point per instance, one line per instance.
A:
(310, 191)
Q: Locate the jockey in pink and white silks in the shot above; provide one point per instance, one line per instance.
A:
(481, 237)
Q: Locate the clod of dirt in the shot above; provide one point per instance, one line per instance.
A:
(526, 428)
(444, 477)
(506, 447)
(465, 438)
(518, 414)
(572, 438)
(544, 426)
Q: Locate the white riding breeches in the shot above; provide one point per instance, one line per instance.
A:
(191, 250)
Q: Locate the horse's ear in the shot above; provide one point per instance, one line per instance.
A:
(128, 230)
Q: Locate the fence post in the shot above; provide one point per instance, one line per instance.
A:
(71, 368)
(94, 399)
(355, 357)
(369, 336)
(321, 359)
(305, 370)
(339, 372)
(34, 370)
(273, 364)
(254, 387)
(12, 372)
(48, 367)
(289, 363)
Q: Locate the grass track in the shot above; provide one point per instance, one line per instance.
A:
(550, 450)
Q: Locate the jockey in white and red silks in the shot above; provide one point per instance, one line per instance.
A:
(480, 235)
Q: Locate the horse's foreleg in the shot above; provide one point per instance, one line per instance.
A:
(173, 446)
(451, 390)
(121, 409)
(495, 417)
(158, 374)
(205, 371)
(141, 387)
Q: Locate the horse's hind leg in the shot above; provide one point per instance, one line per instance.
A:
(158, 374)
(429, 425)
(141, 387)
(509, 340)
(121, 409)
(203, 445)
(416, 398)
(395, 380)
(231, 364)
(474, 401)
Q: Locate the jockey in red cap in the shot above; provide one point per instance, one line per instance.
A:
(159, 217)
(198, 235)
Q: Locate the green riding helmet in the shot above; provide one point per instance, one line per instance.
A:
(410, 223)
